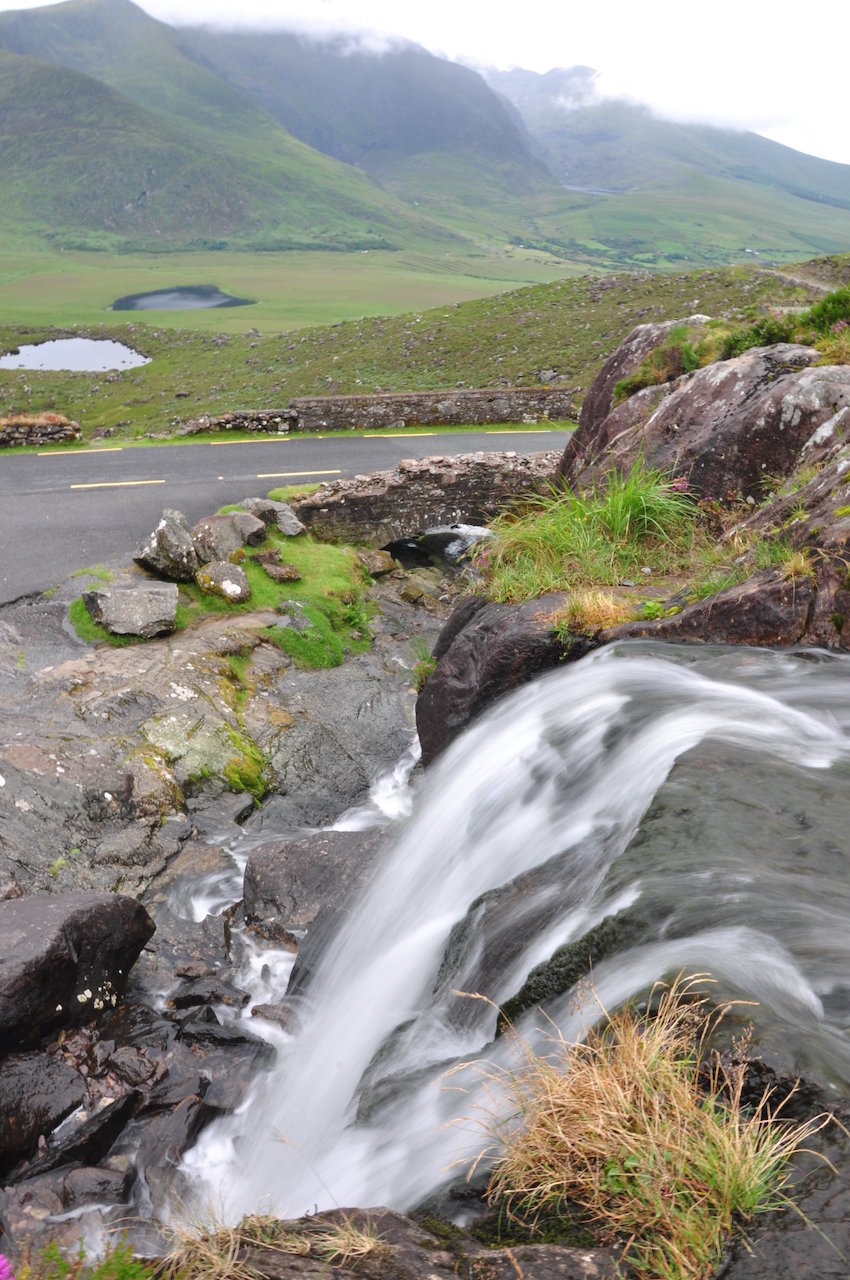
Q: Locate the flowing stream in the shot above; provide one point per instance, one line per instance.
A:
(698, 794)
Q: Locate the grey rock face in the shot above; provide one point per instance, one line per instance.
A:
(279, 514)
(65, 959)
(145, 611)
(169, 551)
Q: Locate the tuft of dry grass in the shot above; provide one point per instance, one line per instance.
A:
(213, 1252)
(798, 565)
(346, 1241)
(588, 611)
(644, 1130)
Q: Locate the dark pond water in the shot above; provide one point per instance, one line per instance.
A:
(196, 297)
(78, 355)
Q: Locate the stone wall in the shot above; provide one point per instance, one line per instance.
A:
(421, 493)
(397, 409)
(46, 428)
(429, 408)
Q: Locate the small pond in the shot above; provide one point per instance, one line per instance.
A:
(194, 297)
(78, 355)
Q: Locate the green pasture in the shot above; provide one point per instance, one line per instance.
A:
(292, 290)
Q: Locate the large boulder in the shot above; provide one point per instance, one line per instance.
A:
(730, 428)
(495, 648)
(218, 537)
(146, 611)
(169, 551)
(37, 1091)
(65, 959)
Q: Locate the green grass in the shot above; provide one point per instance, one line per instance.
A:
(566, 541)
(568, 326)
(645, 1132)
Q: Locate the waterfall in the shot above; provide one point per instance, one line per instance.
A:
(563, 805)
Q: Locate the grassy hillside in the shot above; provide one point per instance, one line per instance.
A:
(558, 331)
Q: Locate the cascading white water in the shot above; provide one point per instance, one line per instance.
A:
(545, 795)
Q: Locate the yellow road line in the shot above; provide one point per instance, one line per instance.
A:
(275, 475)
(257, 440)
(76, 453)
(115, 484)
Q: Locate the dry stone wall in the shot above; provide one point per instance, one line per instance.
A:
(461, 407)
(48, 428)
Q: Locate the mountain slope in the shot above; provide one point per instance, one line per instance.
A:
(200, 163)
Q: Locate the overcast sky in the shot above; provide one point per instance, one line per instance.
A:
(776, 66)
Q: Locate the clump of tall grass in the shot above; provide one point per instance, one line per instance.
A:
(645, 1132)
(563, 540)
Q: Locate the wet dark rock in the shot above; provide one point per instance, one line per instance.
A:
(97, 1186)
(65, 959)
(37, 1091)
(145, 611)
(498, 647)
(573, 962)
(294, 879)
(207, 990)
(169, 551)
(85, 1142)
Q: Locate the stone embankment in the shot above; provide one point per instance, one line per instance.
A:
(388, 410)
(36, 429)
(422, 493)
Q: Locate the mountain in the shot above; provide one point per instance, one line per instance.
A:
(119, 132)
(126, 143)
(618, 146)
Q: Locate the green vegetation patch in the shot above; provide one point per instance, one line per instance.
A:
(675, 356)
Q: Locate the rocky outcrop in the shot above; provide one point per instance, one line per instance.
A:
(35, 429)
(487, 650)
(728, 427)
(626, 360)
(169, 551)
(146, 611)
(420, 493)
(65, 959)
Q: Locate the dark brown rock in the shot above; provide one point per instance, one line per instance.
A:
(65, 959)
(501, 646)
(767, 609)
(730, 428)
(218, 537)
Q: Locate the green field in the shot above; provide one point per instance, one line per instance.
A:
(44, 287)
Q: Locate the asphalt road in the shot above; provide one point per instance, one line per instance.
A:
(61, 511)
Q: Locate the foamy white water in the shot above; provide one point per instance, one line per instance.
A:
(540, 801)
